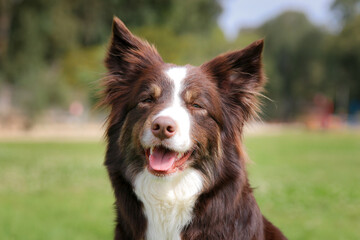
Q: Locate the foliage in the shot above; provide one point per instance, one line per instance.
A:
(346, 10)
(51, 52)
(44, 37)
(294, 62)
(344, 61)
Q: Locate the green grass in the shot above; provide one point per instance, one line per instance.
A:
(54, 191)
(308, 184)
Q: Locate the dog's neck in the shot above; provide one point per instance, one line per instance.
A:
(168, 201)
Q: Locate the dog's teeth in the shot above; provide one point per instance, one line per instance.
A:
(151, 150)
(179, 155)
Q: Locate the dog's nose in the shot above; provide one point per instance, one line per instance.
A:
(163, 127)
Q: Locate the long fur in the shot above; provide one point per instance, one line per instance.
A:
(209, 197)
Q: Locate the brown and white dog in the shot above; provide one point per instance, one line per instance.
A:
(174, 154)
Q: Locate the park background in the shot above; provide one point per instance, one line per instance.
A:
(305, 152)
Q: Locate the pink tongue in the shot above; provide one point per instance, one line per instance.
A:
(162, 159)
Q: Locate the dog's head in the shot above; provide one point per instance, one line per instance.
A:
(166, 118)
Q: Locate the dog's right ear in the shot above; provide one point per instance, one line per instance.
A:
(127, 57)
(127, 53)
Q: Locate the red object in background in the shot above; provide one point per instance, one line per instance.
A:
(324, 108)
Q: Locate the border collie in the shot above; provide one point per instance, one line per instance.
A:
(174, 150)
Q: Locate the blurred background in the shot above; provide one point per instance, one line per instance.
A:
(307, 150)
(51, 53)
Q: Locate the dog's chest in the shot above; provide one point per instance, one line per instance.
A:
(168, 202)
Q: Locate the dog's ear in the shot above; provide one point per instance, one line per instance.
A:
(127, 57)
(127, 53)
(239, 77)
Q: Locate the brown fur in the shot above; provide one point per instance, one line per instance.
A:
(226, 89)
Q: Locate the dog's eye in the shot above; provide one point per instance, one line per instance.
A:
(195, 105)
(147, 100)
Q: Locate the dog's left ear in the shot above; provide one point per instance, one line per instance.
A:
(239, 76)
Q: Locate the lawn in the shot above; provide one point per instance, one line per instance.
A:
(308, 184)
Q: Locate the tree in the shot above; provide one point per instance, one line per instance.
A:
(37, 36)
(294, 50)
(344, 55)
(346, 10)
(344, 61)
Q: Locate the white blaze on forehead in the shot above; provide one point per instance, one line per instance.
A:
(177, 75)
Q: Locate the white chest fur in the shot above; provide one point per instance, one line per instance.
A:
(168, 202)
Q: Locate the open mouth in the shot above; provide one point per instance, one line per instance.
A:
(163, 161)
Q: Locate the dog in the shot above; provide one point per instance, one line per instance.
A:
(174, 150)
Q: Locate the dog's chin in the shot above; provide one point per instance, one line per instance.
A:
(162, 161)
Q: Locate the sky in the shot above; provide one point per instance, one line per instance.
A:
(238, 14)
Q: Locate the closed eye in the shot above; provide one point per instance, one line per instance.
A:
(147, 100)
(195, 105)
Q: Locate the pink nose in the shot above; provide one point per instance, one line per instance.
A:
(163, 127)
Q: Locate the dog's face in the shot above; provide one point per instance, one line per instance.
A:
(166, 118)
